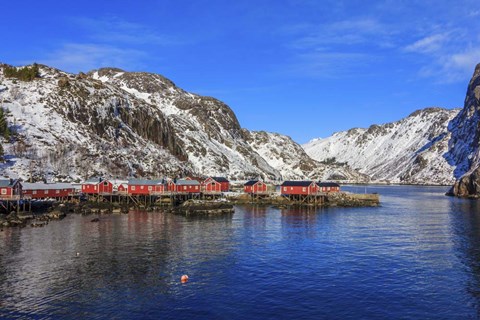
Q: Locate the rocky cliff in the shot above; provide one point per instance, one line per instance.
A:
(464, 145)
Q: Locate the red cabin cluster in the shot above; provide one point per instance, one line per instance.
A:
(184, 186)
(255, 187)
(97, 186)
(216, 184)
(47, 190)
(308, 187)
(14, 189)
(145, 187)
(10, 188)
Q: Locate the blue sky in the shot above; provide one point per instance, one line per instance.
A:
(303, 68)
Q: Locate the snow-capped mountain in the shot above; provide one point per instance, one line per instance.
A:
(282, 153)
(120, 123)
(412, 150)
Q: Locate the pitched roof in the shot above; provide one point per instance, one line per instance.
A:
(93, 180)
(181, 182)
(220, 179)
(138, 182)
(328, 184)
(117, 182)
(250, 183)
(46, 186)
(8, 182)
(296, 183)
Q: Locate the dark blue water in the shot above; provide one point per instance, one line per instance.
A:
(415, 257)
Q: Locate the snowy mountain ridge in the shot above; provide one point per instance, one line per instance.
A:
(121, 124)
(411, 150)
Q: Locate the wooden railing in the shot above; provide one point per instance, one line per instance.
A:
(10, 197)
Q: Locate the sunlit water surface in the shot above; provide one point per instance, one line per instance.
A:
(415, 257)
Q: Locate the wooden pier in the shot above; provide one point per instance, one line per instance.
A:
(153, 199)
(15, 203)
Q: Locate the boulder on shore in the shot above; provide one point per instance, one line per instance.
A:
(467, 186)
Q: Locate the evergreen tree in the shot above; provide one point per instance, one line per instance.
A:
(24, 74)
(4, 130)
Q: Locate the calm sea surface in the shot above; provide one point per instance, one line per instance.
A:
(415, 257)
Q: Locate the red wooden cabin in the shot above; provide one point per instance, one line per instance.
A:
(10, 188)
(48, 190)
(298, 188)
(97, 186)
(328, 187)
(216, 184)
(184, 186)
(145, 187)
(122, 188)
(254, 186)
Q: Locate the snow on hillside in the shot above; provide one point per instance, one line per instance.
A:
(73, 132)
(285, 155)
(117, 123)
(412, 150)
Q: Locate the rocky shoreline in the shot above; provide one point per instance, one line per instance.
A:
(190, 208)
(337, 199)
(203, 208)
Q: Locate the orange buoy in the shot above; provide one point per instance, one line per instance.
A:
(184, 278)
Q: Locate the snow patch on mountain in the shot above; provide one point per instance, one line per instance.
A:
(412, 150)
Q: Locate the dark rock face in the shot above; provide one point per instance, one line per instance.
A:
(467, 186)
(464, 144)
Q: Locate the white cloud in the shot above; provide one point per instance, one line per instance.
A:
(330, 64)
(428, 44)
(112, 29)
(340, 49)
(110, 42)
(344, 32)
(450, 56)
(459, 65)
(75, 57)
